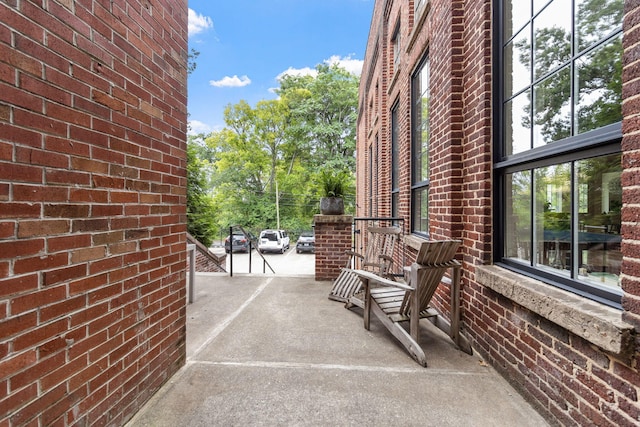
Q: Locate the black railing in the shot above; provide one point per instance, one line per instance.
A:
(359, 231)
(252, 244)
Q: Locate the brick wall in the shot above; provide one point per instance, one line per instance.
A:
(333, 238)
(568, 378)
(206, 261)
(92, 207)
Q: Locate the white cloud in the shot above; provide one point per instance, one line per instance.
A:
(354, 66)
(297, 72)
(234, 81)
(196, 128)
(198, 23)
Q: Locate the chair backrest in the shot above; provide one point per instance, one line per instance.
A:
(380, 242)
(432, 262)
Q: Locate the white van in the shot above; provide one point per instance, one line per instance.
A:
(273, 241)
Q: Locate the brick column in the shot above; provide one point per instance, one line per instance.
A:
(333, 238)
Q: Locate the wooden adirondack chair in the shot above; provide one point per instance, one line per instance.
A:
(394, 302)
(378, 259)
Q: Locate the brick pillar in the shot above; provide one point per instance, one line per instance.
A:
(333, 238)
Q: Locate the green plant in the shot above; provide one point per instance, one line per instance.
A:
(334, 184)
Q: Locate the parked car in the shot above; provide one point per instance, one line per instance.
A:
(306, 242)
(273, 241)
(241, 243)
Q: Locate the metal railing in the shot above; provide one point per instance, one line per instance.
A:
(359, 231)
(252, 244)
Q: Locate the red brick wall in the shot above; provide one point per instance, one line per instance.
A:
(568, 378)
(92, 207)
(206, 261)
(333, 239)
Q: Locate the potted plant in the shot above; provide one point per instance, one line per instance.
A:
(334, 185)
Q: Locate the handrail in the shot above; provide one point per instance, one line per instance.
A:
(264, 261)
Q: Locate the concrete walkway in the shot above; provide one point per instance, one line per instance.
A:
(274, 351)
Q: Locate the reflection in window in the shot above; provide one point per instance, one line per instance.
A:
(517, 63)
(552, 38)
(553, 221)
(599, 83)
(518, 218)
(595, 20)
(599, 227)
(552, 115)
(564, 74)
(517, 124)
(517, 13)
(546, 220)
(559, 214)
(420, 149)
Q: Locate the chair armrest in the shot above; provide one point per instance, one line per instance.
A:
(352, 253)
(375, 278)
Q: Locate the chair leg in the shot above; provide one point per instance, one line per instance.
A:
(367, 304)
(401, 335)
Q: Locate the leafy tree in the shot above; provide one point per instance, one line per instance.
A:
(324, 114)
(273, 151)
(201, 211)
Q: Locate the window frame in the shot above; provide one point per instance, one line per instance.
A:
(395, 162)
(416, 122)
(602, 141)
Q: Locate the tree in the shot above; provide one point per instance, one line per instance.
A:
(201, 211)
(324, 114)
(272, 151)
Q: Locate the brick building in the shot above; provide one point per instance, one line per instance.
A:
(513, 127)
(92, 207)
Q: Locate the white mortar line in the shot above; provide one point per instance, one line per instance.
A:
(223, 325)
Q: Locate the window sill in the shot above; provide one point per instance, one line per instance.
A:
(596, 323)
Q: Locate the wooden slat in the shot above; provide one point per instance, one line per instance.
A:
(347, 284)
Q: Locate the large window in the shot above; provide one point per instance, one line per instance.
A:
(558, 142)
(420, 150)
(395, 170)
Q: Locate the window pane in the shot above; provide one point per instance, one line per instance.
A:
(553, 217)
(517, 124)
(421, 210)
(599, 85)
(516, 14)
(552, 32)
(421, 130)
(538, 4)
(599, 237)
(517, 63)
(595, 20)
(518, 216)
(394, 148)
(552, 113)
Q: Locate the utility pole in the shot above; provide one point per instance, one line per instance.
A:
(277, 207)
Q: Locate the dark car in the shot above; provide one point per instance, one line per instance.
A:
(240, 243)
(306, 242)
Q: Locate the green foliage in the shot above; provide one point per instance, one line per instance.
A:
(201, 211)
(271, 151)
(334, 184)
(191, 60)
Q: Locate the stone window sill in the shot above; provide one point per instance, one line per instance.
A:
(596, 323)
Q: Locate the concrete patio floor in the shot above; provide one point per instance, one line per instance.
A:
(270, 350)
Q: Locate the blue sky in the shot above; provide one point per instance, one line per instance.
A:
(245, 45)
